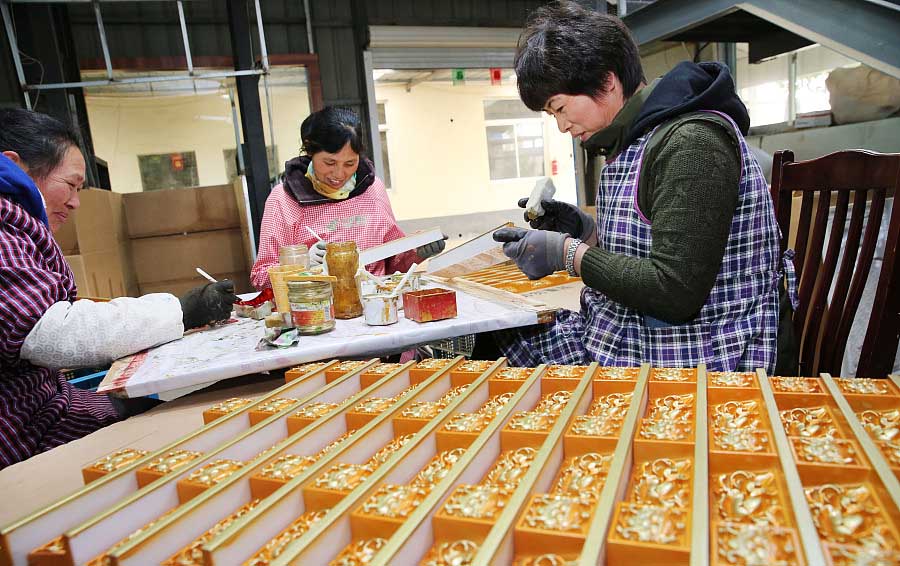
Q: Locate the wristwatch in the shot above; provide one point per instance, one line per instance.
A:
(570, 256)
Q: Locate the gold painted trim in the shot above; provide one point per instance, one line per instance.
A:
(134, 545)
(87, 490)
(507, 519)
(361, 491)
(700, 533)
(809, 538)
(882, 468)
(595, 544)
(229, 535)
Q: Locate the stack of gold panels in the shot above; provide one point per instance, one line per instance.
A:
(461, 462)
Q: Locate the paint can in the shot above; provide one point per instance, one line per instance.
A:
(380, 309)
(312, 306)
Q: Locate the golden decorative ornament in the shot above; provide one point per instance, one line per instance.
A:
(475, 365)
(825, 450)
(467, 422)
(618, 373)
(748, 497)
(433, 363)
(736, 414)
(287, 467)
(863, 386)
(275, 405)
(663, 483)
(388, 449)
(214, 472)
(891, 452)
(359, 553)
(643, 523)
(849, 514)
(343, 477)
(375, 405)
(730, 379)
(565, 371)
(423, 410)
(455, 553)
(546, 560)
(438, 467)
(231, 405)
(495, 404)
(794, 384)
(336, 443)
(118, 459)
(808, 422)
(192, 555)
(665, 429)
(559, 512)
(347, 367)
(514, 373)
(396, 501)
(316, 410)
(509, 468)
(476, 501)
(596, 426)
(755, 545)
(673, 374)
(531, 421)
(295, 530)
(740, 440)
(856, 555)
(881, 425)
(383, 369)
(672, 408)
(172, 460)
(554, 403)
(309, 368)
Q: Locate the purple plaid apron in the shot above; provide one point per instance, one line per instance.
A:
(736, 329)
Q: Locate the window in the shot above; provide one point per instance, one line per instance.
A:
(383, 134)
(231, 165)
(515, 140)
(168, 170)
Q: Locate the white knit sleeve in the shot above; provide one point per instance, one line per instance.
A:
(91, 334)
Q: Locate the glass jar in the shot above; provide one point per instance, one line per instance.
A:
(343, 261)
(312, 306)
(294, 255)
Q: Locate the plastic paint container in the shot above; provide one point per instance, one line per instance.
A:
(380, 309)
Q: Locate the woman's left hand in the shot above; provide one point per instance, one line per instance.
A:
(432, 249)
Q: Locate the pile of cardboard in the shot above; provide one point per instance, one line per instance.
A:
(96, 245)
(175, 231)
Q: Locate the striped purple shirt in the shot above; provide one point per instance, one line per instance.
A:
(39, 409)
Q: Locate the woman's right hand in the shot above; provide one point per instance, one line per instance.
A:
(562, 217)
(317, 254)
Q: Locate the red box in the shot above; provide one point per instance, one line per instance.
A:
(427, 305)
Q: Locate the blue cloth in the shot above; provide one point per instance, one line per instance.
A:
(18, 187)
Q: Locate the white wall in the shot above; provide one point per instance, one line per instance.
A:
(438, 155)
(124, 127)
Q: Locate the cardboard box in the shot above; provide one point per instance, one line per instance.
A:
(66, 236)
(101, 275)
(179, 287)
(173, 258)
(180, 211)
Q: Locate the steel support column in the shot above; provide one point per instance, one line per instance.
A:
(256, 163)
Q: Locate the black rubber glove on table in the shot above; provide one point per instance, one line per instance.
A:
(207, 304)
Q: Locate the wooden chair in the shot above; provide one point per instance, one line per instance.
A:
(822, 326)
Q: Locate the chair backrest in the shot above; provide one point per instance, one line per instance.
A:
(830, 295)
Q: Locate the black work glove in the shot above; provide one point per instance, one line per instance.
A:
(207, 303)
(431, 249)
(538, 253)
(562, 217)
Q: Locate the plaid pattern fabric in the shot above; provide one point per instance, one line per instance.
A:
(366, 219)
(734, 331)
(39, 409)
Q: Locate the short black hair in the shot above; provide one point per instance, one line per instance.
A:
(569, 49)
(330, 129)
(40, 140)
